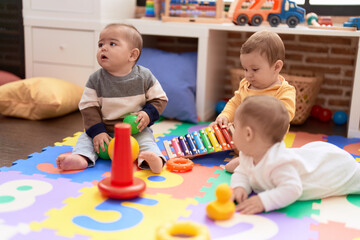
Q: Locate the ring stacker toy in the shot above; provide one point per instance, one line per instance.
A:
(192, 231)
(179, 164)
(196, 144)
(122, 184)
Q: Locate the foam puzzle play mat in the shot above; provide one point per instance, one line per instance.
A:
(38, 201)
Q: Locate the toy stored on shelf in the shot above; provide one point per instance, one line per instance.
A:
(210, 11)
(325, 22)
(353, 22)
(274, 11)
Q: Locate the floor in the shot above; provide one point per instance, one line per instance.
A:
(20, 137)
(73, 199)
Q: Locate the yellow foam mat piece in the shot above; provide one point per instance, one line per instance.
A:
(164, 209)
(289, 139)
(71, 141)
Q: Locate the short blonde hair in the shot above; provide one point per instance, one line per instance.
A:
(265, 114)
(268, 43)
(131, 35)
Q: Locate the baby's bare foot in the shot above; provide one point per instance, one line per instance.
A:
(230, 166)
(155, 162)
(71, 162)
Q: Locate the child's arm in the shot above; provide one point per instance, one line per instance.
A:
(288, 188)
(287, 96)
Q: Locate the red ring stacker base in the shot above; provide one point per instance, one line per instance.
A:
(121, 184)
(179, 165)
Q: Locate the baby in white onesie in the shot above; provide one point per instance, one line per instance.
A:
(281, 175)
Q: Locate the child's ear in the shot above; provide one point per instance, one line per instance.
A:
(278, 65)
(249, 133)
(135, 52)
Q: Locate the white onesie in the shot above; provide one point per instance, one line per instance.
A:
(284, 175)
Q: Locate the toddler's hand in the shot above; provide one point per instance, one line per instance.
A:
(251, 206)
(222, 121)
(143, 119)
(99, 140)
(239, 195)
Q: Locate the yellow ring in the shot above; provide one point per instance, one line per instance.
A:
(194, 230)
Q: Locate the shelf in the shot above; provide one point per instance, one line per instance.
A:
(212, 52)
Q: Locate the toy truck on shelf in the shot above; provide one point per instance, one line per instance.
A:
(254, 12)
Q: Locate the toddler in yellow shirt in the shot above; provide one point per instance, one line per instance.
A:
(262, 58)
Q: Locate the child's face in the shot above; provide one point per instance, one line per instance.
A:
(258, 71)
(113, 50)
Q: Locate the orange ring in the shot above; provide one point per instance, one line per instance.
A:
(179, 165)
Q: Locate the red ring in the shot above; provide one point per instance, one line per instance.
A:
(179, 165)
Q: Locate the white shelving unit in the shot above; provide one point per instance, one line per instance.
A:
(212, 54)
(61, 36)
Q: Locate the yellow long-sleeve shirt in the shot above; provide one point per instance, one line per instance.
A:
(284, 92)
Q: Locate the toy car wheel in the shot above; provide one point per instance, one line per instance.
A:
(256, 20)
(274, 21)
(292, 21)
(242, 19)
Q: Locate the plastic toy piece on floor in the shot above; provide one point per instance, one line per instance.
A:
(121, 184)
(179, 165)
(189, 229)
(222, 208)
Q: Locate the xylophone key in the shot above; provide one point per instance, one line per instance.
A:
(220, 137)
(228, 137)
(200, 145)
(206, 141)
(168, 149)
(175, 144)
(213, 140)
(192, 145)
(184, 146)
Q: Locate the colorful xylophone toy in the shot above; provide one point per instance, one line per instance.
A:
(198, 143)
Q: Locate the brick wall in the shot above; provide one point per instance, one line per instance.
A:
(334, 57)
(12, 37)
